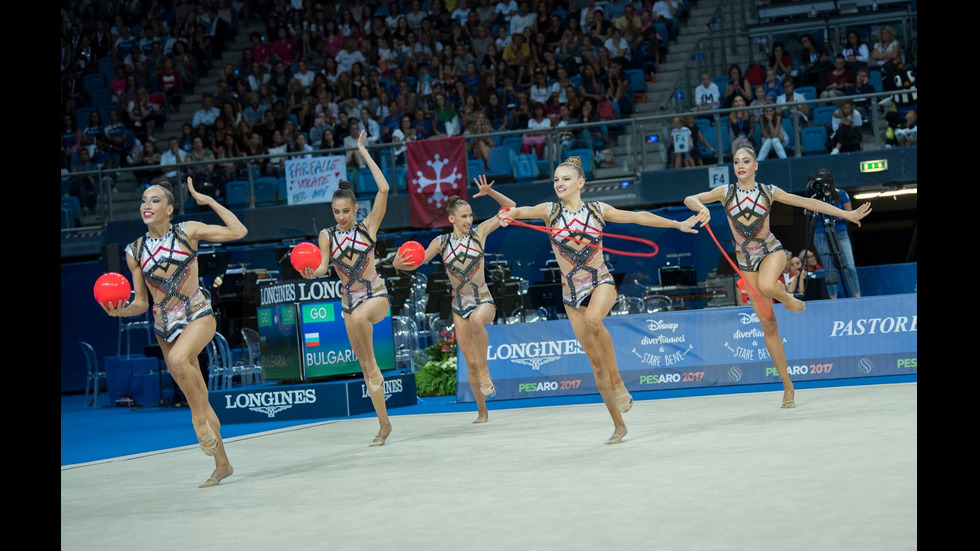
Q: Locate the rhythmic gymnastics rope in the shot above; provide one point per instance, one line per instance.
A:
(555, 231)
(765, 305)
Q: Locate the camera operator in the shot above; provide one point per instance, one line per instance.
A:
(821, 186)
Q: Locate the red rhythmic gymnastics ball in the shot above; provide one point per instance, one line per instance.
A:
(413, 251)
(112, 287)
(305, 255)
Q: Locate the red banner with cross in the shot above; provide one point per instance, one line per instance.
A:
(436, 171)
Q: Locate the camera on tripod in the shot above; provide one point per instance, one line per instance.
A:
(819, 186)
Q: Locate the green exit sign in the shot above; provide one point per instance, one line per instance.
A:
(874, 166)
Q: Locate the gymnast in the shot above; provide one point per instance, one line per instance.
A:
(473, 308)
(588, 289)
(748, 205)
(165, 261)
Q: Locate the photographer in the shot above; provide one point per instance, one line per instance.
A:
(821, 186)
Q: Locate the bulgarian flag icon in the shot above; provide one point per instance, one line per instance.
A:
(312, 339)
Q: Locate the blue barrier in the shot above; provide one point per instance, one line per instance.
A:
(832, 339)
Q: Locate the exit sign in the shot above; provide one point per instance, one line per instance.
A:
(874, 166)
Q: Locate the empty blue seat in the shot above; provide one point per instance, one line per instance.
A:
(513, 142)
(525, 167)
(236, 194)
(636, 79)
(364, 182)
(813, 140)
(824, 115)
(265, 191)
(500, 164)
(475, 168)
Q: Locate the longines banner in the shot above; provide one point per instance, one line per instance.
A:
(832, 339)
(308, 400)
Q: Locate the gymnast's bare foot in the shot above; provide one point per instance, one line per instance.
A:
(383, 433)
(217, 476)
(617, 436)
(789, 398)
(795, 305)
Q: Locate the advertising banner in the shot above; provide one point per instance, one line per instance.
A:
(313, 180)
(325, 348)
(832, 339)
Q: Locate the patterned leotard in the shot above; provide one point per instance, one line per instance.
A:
(582, 266)
(748, 216)
(352, 255)
(463, 258)
(169, 267)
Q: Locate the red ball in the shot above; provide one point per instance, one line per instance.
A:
(112, 287)
(305, 255)
(413, 251)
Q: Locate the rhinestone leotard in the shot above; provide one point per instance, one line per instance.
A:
(748, 216)
(582, 266)
(463, 258)
(169, 267)
(352, 255)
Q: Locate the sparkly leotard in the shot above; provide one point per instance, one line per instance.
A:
(748, 215)
(463, 258)
(582, 266)
(352, 255)
(169, 267)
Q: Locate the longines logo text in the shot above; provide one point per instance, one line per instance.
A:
(272, 402)
(873, 326)
(539, 352)
(300, 292)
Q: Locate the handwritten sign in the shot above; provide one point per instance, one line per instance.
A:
(314, 180)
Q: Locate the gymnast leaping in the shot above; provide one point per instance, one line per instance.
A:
(588, 289)
(748, 205)
(473, 308)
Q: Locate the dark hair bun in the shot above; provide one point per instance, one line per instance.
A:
(453, 199)
(165, 184)
(343, 184)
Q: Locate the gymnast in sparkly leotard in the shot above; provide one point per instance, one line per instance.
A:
(748, 205)
(463, 256)
(164, 266)
(587, 287)
(349, 248)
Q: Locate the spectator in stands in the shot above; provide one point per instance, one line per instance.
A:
(667, 11)
(772, 85)
(116, 138)
(781, 62)
(771, 126)
(855, 52)
(524, 18)
(706, 96)
(170, 158)
(618, 87)
(907, 132)
(150, 158)
(350, 55)
(789, 95)
(169, 82)
(837, 80)
(71, 140)
(143, 115)
(199, 46)
(279, 145)
(814, 61)
(629, 25)
(227, 150)
(403, 134)
(847, 128)
(254, 112)
(84, 186)
(741, 124)
(207, 114)
(699, 140)
(760, 98)
(261, 49)
(861, 86)
(350, 144)
(204, 174)
(186, 65)
(536, 136)
(795, 279)
(301, 148)
(887, 48)
(681, 143)
(422, 123)
(617, 44)
(284, 47)
(737, 85)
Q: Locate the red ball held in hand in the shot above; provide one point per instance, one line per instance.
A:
(305, 255)
(412, 251)
(112, 287)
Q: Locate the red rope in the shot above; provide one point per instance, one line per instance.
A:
(765, 305)
(555, 231)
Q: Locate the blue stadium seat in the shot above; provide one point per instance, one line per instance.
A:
(636, 80)
(500, 164)
(401, 178)
(74, 208)
(813, 140)
(364, 182)
(513, 142)
(106, 67)
(236, 194)
(525, 167)
(475, 168)
(874, 79)
(824, 115)
(265, 191)
(809, 92)
(281, 190)
(92, 82)
(790, 137)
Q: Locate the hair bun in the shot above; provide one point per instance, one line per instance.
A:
(574, 160)
(343, 184)
(453, 199)
(165, 184)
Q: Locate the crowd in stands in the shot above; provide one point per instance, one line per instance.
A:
(316, 73)
(763, 96)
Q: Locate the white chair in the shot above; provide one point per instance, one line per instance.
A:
(216, 367)
(253, 351)
(231, 367)
(406, 336)
(627, 305)
(142, 322)
(95, 376)
(658, 303)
